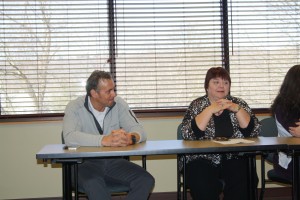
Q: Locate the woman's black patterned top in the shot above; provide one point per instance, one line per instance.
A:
(189, 130)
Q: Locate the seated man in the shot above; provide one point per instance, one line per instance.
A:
(102, 119)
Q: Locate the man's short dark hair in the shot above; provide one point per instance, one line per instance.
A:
(94, 79)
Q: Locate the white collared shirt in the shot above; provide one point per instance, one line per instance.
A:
(284, 160)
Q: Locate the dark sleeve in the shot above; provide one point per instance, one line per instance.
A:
(279, 118)
(247, 131)
(198, 133)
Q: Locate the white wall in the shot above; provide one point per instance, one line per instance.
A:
(22, 176)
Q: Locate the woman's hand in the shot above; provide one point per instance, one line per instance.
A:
(295, 131)
(242, 116)
(223, 104)
(216, 108)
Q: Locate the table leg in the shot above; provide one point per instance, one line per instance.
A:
(76, 180)
(67, 176)
(144, 162)
(183, 179)
(252, 172)
(295, 187)
(178, 179)
(263, 178)
(67, 185)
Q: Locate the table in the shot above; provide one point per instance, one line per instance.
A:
(57, 154)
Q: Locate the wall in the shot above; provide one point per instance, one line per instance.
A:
(22, 176)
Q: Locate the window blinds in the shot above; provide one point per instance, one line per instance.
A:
(161, 50)
(164, 49)
(48, 49)
(264, 43)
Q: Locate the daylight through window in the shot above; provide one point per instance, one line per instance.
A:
(160, 50)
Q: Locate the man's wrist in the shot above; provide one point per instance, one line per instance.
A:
(133, 139)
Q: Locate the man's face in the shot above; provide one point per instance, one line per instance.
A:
(105, 95)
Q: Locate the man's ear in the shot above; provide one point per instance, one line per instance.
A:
(93, 93)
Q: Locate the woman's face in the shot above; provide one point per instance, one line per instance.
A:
(218, 88)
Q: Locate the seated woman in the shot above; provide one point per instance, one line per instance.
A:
(218, 114)
(286, 110)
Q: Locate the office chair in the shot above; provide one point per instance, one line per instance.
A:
(115, 188)
(269, 129)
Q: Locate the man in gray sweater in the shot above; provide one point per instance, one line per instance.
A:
(102, 119)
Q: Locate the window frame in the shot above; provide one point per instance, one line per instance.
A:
(153, 113)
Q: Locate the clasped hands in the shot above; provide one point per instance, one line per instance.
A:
(117, 138)
(220, 105)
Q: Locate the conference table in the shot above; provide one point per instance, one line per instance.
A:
(57, 153)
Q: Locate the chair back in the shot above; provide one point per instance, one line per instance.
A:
(269, 128)
(179, 133)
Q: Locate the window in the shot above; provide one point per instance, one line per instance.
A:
(158, 50)
(164, 49)
(264, 39)
(48, 49)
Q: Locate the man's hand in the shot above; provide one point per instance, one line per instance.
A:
(119, 138)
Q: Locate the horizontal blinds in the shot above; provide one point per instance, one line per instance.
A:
(164, 49)
(264, 44)
(48, 49)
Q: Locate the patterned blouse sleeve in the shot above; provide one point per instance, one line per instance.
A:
(190, 131)
(254, 126)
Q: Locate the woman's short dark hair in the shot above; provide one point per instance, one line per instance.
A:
(94, 79)
(216, 72)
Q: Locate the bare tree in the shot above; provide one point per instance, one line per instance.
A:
(26, 64)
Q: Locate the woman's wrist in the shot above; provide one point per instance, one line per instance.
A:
(238, 108)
